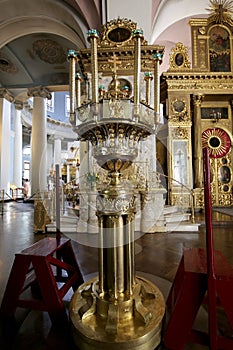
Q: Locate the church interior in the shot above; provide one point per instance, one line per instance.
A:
(116, 185)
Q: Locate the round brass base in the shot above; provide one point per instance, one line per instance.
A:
(137, 333)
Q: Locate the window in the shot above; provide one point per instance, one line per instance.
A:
(26, 170)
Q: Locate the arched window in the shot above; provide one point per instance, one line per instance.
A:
(219, 50)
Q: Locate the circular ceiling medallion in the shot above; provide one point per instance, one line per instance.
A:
(217, 141)
(49, 51)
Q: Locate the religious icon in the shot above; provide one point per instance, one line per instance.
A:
(119, 35)
(225, 174)
(219, 45)
(179, 59)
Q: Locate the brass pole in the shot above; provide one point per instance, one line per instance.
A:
(72, 58)
(138, 36)
(93, 39)
(148, 78)
(157, 58)
(78, 90)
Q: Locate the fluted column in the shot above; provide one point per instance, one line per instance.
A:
(197, 145)
(5, 139)
(18, 145)
(39, 140)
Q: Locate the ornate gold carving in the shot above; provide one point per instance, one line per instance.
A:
(202, 53)
(179, 58)
(179, 110)
(115, 39)
(202, 30)
(180, 199)
(200, 81)
(198, 197)
(197, 99)
(220, 11)
(180, 133)
(195, 58)
(115, 205)
(118, 32)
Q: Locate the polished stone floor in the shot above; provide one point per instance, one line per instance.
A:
(157, 256)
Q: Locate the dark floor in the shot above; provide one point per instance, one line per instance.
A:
(157, 255)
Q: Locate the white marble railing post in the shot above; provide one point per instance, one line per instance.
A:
(39, 140)
(18, 142)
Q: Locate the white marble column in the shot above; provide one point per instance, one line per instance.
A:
(39, 140)
(68, 173)
(18, 142)
(84, 165)
(5, 140)
(57, 153)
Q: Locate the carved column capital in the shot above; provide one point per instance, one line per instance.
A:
(197, 99)
(4, 93)
(39, 91)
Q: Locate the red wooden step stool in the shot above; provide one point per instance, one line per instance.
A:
(204, 275)
(41, 266)
(188, 293)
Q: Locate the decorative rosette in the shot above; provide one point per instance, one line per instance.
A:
(217, 141)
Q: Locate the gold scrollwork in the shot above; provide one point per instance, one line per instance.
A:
(180, 133)
(118, 32)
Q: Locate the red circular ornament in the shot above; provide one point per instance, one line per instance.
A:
(217, 141)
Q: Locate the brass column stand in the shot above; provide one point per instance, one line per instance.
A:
(117, 310)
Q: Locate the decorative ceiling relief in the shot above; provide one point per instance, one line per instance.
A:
(49, 51)
(6, 65)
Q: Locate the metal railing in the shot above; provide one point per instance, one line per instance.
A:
(189, 190)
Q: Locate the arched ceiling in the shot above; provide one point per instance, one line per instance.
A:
(35, 35)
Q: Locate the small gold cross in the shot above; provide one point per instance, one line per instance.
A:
(115, 61)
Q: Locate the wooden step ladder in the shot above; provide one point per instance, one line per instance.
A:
(203, 276)
(48, 267)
